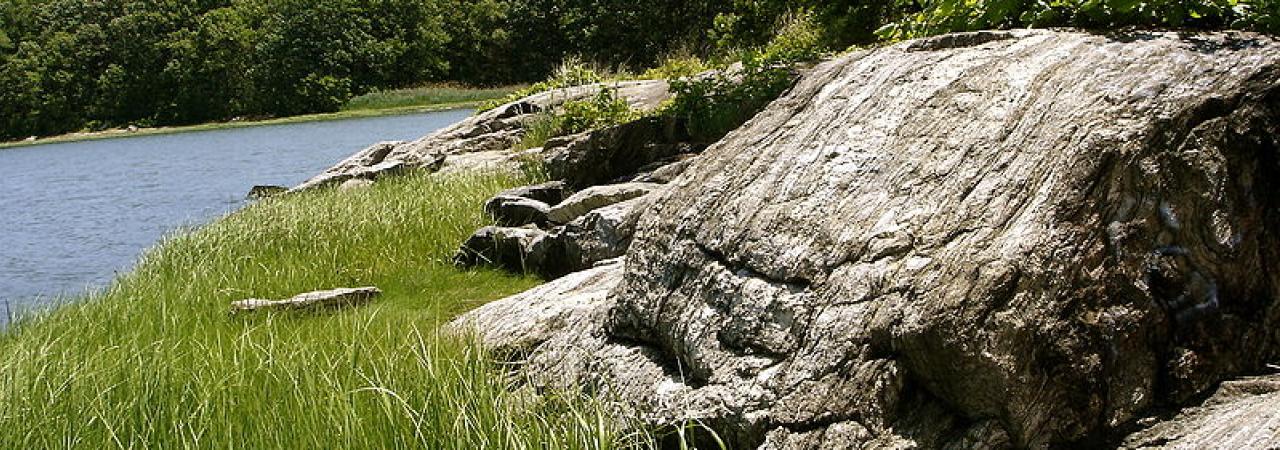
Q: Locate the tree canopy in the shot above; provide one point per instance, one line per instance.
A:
(74, 64)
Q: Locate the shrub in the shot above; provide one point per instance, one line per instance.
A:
(538, 131)
(713, 105)
(930, 17)
(677, 67)
(605, 109)
(1259, 15)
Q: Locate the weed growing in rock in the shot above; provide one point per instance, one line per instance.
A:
(715, 104)
(572, 72)
(605, 109)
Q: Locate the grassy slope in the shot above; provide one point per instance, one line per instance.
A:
(156, 362)
(443, 94)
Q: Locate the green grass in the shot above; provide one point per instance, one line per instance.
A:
(538, 131)
(157, 362)
(426, 95)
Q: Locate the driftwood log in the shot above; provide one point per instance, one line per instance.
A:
(319, 300)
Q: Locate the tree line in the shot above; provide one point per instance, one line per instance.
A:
(69, 65)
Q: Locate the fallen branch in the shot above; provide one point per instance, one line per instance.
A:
(336, 298)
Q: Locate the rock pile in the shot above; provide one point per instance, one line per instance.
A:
(541, 231)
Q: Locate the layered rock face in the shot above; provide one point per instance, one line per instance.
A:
(990, 240)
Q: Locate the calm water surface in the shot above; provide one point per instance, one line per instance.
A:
(73, 215)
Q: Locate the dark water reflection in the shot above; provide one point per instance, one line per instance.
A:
(74, 214)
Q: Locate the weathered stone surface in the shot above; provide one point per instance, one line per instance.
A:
(525, 205)
(605, 155)
(364, 164)
(546, 311)
(600, 235)
(1028, 241)
(319, 300)
(486, 161)
(493, 132)
(667, 171)
(551, 192)
(513, 211)
(503, 247)
(1242, 414)
(595, 197)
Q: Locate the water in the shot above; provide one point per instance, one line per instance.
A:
(73, 215)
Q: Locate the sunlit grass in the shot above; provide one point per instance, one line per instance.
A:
(440, 94)
(157, 362)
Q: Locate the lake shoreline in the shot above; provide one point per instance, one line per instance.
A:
(80, 213)
(117, 133)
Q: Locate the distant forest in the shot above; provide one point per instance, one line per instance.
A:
(68, 65)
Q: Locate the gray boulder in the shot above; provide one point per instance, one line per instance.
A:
(591, 198)
(355, 184)
(597, 236)
(504, 247)
(606, 155)
(551, 192)
(492, 161)
(666, 171)
(525, 205)
(1016, 239)
(514, 211)
(366, 163)
(564, 305)
(602, 234)
(1241, 414)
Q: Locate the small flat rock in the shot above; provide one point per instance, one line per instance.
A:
(551, 192)
(355, 184)
(596, 197)
(318, 300)
(516, 211)
(504, 247)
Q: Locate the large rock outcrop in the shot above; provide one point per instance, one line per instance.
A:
(1021, 239)
(481, 141)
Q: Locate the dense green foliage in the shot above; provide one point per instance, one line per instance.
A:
(602, 110)
(69, 65)
(79, 64)
(927, 17)
(711, 105)
(156, 362)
